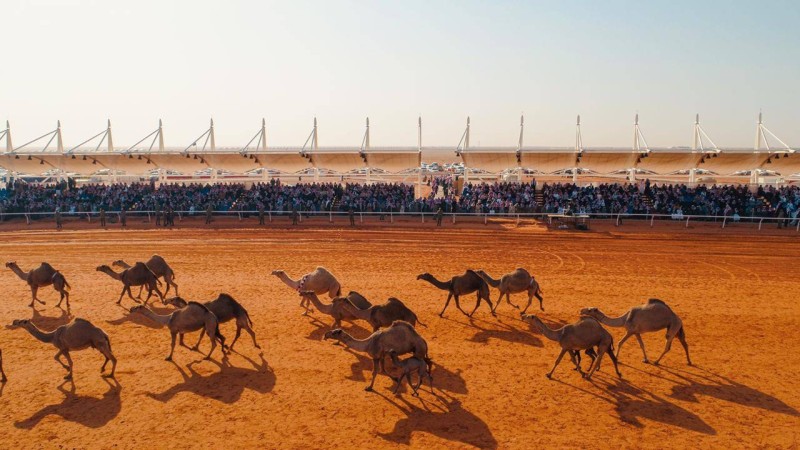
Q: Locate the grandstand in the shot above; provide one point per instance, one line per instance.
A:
(97, 159)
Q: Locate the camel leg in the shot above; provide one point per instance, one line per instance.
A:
(574, 356)
(128, 288)
(375, 363)
(558, 360)
(596, 364)
(530, 300)
(34, 291)
(400, 381)
(682, 339)
(539, 297)
(170, 281)
(508, 300)
(246, 327)
(441, 314)
(670, 336)
(166, 281)
(477, 303)
(238, 333)
(641, 344)
(196, 347)
(139, 295)
(105, 349)
(212, 334)
(622, 341)
(58, 360)
(614, 360)
(172, 348)
(69, 361)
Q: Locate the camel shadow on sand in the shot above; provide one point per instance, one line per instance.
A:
(140, 319)
(51, 322)
(507, 332)
(226, 385)
(88, 411)
(444, 418)
(353, 329)
(690, 385)
(633, 403)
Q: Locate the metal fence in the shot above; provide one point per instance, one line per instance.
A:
(617, 218)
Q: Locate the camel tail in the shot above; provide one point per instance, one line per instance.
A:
(58, 275)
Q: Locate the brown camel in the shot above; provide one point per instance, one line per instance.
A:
(3, 378)
(335, 309)
(79, 334)
(42, 276)
(512, 283)
(195, 316)
(408, 366)
(159, 267)
(460, 285)
(226, 308)
(138, 275)
(652, 316)
(581, 335)
(384, 315)
(400, 337)
(320, 281)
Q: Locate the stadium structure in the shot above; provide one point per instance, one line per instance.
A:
(97, 159)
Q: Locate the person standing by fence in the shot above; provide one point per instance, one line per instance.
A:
(123, 217)
(261, 214)
(295, 216)
(102, 218)
(209, 212)
(352, 216)
(58, 220)
(439, 215)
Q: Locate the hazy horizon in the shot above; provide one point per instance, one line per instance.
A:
(85, 61)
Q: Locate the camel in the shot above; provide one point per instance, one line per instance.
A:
(335, 309)
(384, 315)
(512, 283)
(79, 334)
(42, 276)
(652, 316)
(3, 378)
(159, 267)
(226, 308)
(581, 335)
(138, 275)
(320, 281)
(194, 316)
(408, 366)
(400, 337)
(460, 285)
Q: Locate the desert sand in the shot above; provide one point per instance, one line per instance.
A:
(736, 291)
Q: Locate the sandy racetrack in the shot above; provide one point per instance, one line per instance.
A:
(737, 294)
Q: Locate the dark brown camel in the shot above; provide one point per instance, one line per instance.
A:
(460, 285)
(44, 275)
(226, 308)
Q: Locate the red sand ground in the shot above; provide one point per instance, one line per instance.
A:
(736, 290)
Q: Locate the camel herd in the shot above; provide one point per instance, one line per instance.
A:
(394, 324)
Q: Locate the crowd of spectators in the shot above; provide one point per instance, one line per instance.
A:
(488, 198)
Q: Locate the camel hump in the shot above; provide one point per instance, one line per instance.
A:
(48, 266)
(199, 305)
(224, 296)
(395, 301)
(403, 324)
(656, 301)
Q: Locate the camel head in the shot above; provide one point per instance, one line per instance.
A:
(333, 334)
(19, 323)
(11, 264)
(278, 273)
(528, 317)
(424, 276)
(119, 263)
(177, 302)
(138, 309)
(103, 268)
(591, 312)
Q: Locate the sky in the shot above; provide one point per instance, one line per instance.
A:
(134, 62)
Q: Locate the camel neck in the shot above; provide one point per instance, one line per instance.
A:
(439, 284)
(363, 314)
(613, 321)
(19, 273)
(110, 272)
(356, 344)
(158, 318)
(289, 282)
(489, 280)
(39, 334)
(322, 307)
(553, 335)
